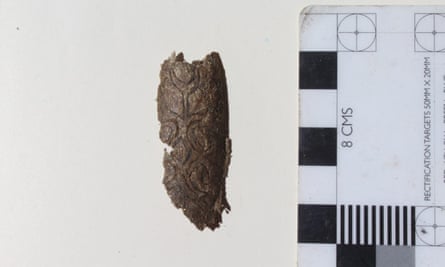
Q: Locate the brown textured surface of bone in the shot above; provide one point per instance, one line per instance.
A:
(194, 116)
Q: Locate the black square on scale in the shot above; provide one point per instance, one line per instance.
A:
(318, 146)
(318, 70)
(356, 256)
(317, 224)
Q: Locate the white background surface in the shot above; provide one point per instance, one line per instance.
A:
(80, 158)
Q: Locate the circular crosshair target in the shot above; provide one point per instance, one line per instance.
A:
(430, 226)
(430, 32)
(356, 32)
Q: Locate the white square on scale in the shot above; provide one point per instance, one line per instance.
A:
(318, 184)
(429, 256)
(311, 113)
(318, 32)
(316, 255)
